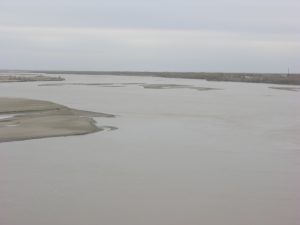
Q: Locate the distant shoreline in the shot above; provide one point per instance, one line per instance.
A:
(271, 78)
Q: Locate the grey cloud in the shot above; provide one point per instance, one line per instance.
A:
(181, 35)
(144, 49)
(259, 16)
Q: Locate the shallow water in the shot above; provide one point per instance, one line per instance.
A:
(179, 156)
(6, 116)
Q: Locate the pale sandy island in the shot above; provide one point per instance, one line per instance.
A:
(24, 119)
(9, 78)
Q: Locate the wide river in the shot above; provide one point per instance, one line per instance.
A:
(180, 156)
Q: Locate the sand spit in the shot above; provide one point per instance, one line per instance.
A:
(40, 119)
(286, 88)
(176, 86)
(92, 84)
(27, 78)
(147, 86)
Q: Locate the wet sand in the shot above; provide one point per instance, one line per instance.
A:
(33, 119)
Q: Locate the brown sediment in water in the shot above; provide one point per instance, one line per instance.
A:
(31, 119)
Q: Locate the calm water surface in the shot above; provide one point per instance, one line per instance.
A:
(179, 157)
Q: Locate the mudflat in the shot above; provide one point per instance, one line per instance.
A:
(30, 119)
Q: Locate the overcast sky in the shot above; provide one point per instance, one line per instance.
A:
(151, 35)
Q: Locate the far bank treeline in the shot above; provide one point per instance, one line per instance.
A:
(272, 78)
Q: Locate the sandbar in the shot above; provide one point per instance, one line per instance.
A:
(286, 88)
(31, 119)
(7, 78)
